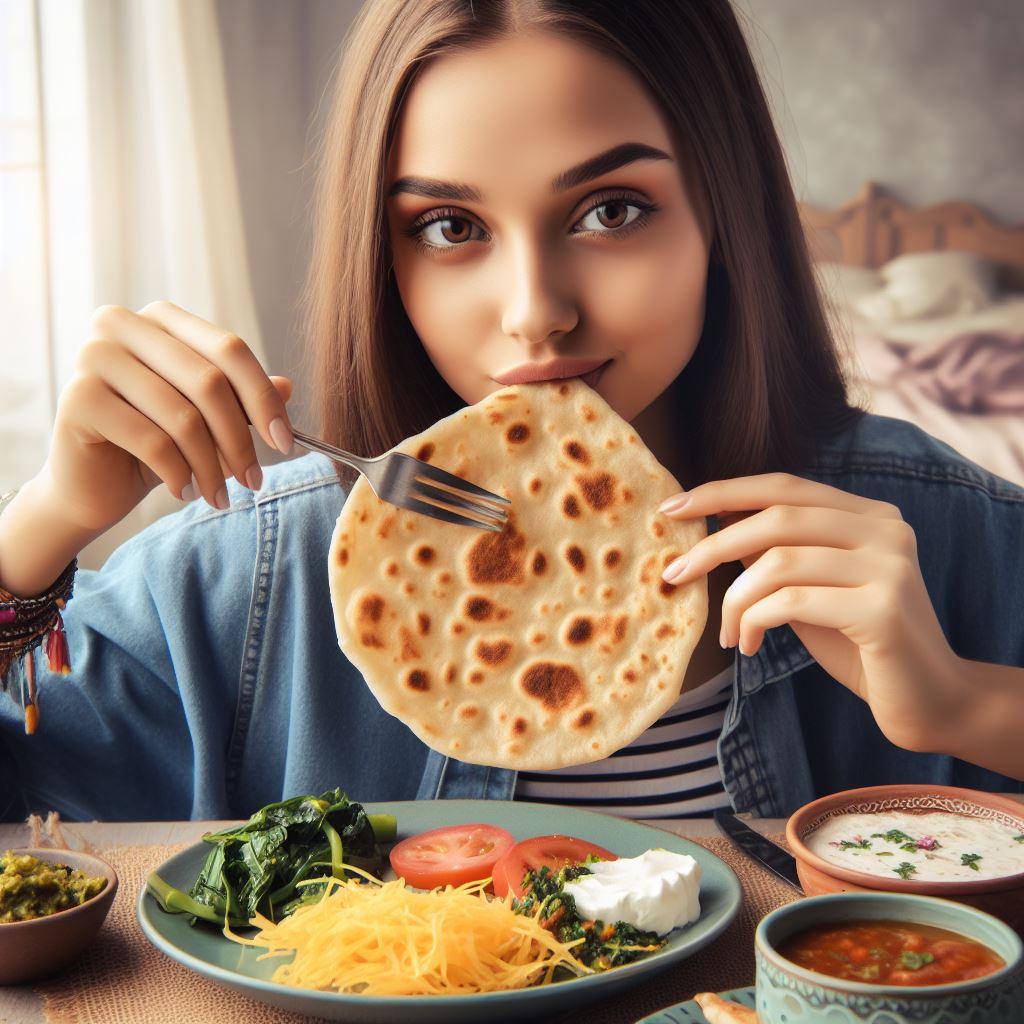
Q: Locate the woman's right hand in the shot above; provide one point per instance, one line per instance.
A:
(160, 396)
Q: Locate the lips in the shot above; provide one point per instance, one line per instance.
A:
(555, 369)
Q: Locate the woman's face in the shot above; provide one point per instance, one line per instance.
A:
(540, 226)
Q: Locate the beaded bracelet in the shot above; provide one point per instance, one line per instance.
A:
(27, 622)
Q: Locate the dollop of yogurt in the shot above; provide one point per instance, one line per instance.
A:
(655, 892)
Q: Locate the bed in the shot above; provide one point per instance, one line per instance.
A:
(930, 305)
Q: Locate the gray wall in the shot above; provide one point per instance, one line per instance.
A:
(924, 96)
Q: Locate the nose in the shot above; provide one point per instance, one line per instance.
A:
(538, 305)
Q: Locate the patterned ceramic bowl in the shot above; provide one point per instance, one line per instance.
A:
(1002, 896)
(33, 949)
(788, 994)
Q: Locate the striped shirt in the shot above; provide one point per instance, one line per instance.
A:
(669, 771)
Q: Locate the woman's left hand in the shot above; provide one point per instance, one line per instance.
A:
(842, 571)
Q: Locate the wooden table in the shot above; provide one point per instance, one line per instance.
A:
(20, 1005)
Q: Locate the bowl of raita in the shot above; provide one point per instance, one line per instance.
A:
(961, 844)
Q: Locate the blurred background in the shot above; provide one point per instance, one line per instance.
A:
(163, 149)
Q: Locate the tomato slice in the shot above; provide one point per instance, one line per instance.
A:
(452, 855)
(554, 851)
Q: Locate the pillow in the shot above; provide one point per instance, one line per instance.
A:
(841, 285)
(930, 284)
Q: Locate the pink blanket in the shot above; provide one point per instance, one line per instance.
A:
(981, 372)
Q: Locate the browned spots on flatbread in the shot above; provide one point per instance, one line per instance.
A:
(540, 563)
(563, 389)
(410, 649)
(423, 622)
(370, 608)
(517, 433)
(575, 557)
(418, 679)
(476, 676)
(449, 673)
(495, 417)
(627, 495)
(343, 556)
(584, 719)
(468, 711)
(519, 726)
(408, 588)
(606, 593)
(570, 506)
(631, 439)
(629, 675)
(425, 451)
(664, 630)
(493, 652)
(497, 557)
(457, 627)
(444, 577)
(577, 452)
(479, 608)
(507, 397)
(557, 687)
(370, 640)
(588, 414)
(612, 557)
(620, 627)
(392, 569)
(425, 554)
(384, 528)
(535, 485)
(538, 638)
(657, 529)
(363, 516)
(666, 588)
(598, 490)
(580, 630)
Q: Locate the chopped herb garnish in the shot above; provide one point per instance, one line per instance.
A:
(1019, 838)
(914, 961)
(970, 860)
(894, 835)
(905, 870)
(857, 843)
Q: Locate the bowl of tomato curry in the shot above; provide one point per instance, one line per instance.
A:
(860, 957)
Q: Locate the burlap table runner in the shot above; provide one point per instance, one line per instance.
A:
(122, 979)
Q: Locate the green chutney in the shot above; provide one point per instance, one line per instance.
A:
(31, 888)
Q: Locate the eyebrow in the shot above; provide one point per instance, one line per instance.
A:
(604, 163)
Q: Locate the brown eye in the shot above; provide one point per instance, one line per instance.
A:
(449, 232)
(455, 230)
(612, 215)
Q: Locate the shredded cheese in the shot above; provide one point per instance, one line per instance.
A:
(385, 939)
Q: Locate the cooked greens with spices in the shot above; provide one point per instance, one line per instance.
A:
(31, 888)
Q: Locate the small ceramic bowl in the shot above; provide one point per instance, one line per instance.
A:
(788, 994)
(33, 949)
(1002, 896)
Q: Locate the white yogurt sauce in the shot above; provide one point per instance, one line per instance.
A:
(655, 892)
(935, 846)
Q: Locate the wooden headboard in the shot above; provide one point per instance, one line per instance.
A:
(874, 227)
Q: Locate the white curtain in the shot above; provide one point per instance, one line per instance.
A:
(138, 196)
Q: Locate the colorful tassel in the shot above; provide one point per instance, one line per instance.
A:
(57, 655)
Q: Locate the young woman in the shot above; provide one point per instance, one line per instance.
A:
(518, 190)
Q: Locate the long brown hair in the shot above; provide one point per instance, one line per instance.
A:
(765, 384)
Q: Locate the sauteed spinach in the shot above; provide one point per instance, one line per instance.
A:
(256, 867)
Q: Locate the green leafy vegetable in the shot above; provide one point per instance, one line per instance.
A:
(970, 860)
(914, 961)
(256, 867)
(905, 870)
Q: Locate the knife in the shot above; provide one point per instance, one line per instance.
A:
(768, 854)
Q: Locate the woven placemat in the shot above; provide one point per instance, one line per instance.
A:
(123, 979)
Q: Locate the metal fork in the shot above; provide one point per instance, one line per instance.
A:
(409, 483)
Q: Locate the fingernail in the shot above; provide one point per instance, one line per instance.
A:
(222, 499)
(721, 639)
(281, 435)
(190, 491)
(675, 569)
(674, 504)
(744, 651)
(254, 477)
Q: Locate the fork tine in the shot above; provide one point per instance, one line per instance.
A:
(437, 494)
(424, 469)
(436, 512)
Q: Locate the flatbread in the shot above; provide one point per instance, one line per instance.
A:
(555, 642)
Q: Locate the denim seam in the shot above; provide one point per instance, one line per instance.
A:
(440, 778)
(266, 547)
(897, 467)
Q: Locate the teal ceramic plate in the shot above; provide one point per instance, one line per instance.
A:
(207, 951)
(690, 1013)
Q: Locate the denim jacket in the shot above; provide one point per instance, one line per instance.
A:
(208, 680)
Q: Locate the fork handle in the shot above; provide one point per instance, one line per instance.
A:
(314, 444)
